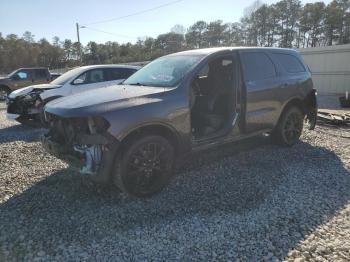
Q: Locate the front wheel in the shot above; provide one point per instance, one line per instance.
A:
(289, 127)
(145, 166)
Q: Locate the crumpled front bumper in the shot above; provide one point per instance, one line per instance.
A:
(17, 107)
(11, 113)
(77, 159)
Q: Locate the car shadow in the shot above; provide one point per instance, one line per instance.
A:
(20, 132)
(278, 194)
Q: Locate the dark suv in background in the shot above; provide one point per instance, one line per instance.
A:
(132, 133)
(24, 77)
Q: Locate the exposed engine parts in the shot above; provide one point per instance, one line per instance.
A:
(92, 155)
(84, 139)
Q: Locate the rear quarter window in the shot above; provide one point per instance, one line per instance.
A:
(257, 66)
(290, 63)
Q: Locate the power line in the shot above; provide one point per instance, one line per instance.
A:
(136, 13)
(102, 31)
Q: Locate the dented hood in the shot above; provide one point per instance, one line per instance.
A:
(97, 101)
(28, 89)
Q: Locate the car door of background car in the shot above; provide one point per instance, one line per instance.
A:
(91, 79)
(261, 79)
(22, 78)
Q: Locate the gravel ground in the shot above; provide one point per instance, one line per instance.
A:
(250, 201)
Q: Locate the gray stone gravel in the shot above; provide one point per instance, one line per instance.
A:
(250, 201)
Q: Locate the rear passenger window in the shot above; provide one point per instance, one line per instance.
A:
(40, 74)
(290, 63)
(257, 66)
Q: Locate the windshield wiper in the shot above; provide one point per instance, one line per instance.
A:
(137, 84)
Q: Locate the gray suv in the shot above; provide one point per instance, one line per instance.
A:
(132, 134)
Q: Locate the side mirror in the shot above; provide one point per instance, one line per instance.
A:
(78, 81)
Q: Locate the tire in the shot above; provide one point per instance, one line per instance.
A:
(145, 166)
(289, 127)
(4, 91)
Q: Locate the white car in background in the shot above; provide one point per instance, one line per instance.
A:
(26, 104)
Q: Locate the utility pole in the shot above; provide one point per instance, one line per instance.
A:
(78, 36)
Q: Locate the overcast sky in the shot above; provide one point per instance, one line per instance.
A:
(48, 18)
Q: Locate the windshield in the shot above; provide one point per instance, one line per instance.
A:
(61, 80)
(12, 73)
(164, 72)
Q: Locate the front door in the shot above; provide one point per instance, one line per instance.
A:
(214, 98)
(91, 79)
(22, 78)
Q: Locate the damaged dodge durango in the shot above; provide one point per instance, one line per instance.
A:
(133, 134)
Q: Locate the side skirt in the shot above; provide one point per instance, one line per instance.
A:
(202, 145)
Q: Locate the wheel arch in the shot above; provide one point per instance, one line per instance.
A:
(295, 101)
(160, 129)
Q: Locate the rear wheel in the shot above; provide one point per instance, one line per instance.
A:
(145, 166)
(289, 127)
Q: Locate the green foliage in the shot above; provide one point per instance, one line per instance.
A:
(284, 24)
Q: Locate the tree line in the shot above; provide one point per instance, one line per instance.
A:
(286, 23)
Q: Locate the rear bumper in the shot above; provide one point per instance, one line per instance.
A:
(311, 108)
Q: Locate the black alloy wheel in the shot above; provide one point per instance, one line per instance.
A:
(290, 127)
(146, 166)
